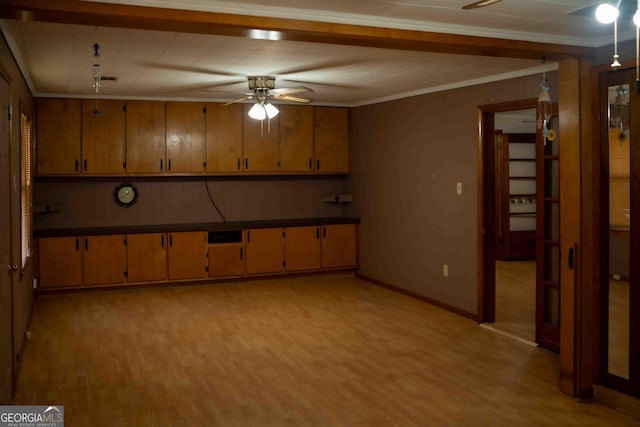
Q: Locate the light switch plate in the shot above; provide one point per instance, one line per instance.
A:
(459, 188)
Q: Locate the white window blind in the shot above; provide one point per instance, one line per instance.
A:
(25, 188)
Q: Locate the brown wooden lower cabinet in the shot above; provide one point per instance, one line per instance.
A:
(302, 248)
(188, 255)
(60, 261)
(181, 256)
(104, 259)
(265, 248)
(339, 245)
(147, 257)
(226, 260)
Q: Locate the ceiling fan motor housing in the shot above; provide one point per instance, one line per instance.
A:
(262, 82)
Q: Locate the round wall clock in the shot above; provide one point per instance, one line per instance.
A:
(125, 194)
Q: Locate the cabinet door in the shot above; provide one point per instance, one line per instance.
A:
(104, 259)
(60, 260)
(103, 136)
(226, 259)
(187, 255)
(224, 138)
(332, 139)
(296, 138)
(339, 245)
(185, 137)
(261, 141)
(302, 248)
(145, 146)
(264, 251)
(146, 257)
(58, 136)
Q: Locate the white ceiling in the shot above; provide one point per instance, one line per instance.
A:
(57, 58)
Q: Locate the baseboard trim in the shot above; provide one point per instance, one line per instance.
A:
(618, 401)
(428, 300)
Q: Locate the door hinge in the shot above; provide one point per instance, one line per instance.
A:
(125, 241)
(204, 164)
(204, 109)
(206, 269)
(124, 107)
(284, 263)
(124, 165)
(126, 274)
(283, 234)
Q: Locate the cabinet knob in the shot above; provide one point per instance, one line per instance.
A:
(12, 268)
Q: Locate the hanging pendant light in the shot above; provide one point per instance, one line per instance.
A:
(544, 107)
(606, 14)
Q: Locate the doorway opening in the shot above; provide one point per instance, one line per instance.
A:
(518, 214)
(515, 239)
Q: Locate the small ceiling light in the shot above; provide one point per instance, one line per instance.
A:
(636, 18)
(606, 13)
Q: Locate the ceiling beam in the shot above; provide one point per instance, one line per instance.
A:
(187, 21)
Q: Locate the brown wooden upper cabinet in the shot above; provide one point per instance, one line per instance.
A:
(103, 127)
(58, 136)
(224, 138)
(332, 139)
(185, 137)
(296, 138)
(261, 141)
(145, 145)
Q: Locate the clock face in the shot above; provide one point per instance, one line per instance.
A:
(125, 194)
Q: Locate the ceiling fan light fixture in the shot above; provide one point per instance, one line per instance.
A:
(258, 112)
(271, 110)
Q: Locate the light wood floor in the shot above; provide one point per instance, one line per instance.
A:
(516, 298)
(318, 351)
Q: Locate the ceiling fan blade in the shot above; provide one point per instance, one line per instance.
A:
(292, 99)
(320, 66)
(291, 90)
(336, 85)
(190, 69)
(239, 100)
(481, 3)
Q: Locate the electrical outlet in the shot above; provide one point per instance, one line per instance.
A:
(459, 188)
(445, 270)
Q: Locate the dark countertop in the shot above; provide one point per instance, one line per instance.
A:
(212, 226)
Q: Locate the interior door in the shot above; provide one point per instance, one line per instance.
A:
(620, 239)
(6, 269)
(548, 234)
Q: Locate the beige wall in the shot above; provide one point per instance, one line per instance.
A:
(21, 99)
(407, 157)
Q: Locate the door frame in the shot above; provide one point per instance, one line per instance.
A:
(486, 275)
(7, 389)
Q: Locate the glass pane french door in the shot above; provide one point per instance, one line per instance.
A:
(548, 235)
(620, 237)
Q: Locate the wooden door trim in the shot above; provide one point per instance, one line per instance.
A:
(486, 221)
(190, 21)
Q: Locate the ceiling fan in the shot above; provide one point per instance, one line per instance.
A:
(263, 89)
(479, 4)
